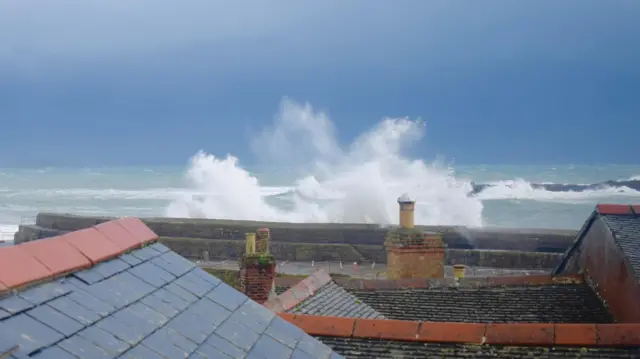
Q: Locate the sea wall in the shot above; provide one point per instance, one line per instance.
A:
(533, 249)
(528, 240)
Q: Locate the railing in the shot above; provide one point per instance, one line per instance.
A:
(28, 220)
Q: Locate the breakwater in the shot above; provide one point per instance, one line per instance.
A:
(223, 239)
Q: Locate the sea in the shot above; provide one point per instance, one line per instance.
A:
(303, 173)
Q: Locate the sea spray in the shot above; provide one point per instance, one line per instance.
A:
(355, 183)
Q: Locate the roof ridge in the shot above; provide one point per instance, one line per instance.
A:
(616, 209)
(468, 282)
(517, 334)
(43, 259)
(299, 292)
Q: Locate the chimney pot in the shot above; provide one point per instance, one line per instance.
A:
(458, 271)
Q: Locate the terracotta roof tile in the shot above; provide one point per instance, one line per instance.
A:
(147, 303)
(18, 267)
(515, 334)
(614, 209)
(57, 254)
(93, 244)
(119, 236)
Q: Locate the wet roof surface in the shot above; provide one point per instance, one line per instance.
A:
(333, 300)
(387, 349)
(562, 303)
(149, 303)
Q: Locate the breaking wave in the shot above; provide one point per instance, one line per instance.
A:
(356, 183)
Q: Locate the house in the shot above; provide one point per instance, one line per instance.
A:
(588, 307)
(113, 291)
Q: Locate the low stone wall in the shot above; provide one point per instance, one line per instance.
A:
(305, 252)
(527, 240)
(224, 239)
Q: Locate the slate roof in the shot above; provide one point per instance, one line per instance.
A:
(318, 294)
(562, 303)
(390, 349)
(333, 300)
(525, 299)
(110, 292)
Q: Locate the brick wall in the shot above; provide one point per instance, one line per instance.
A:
(416, 262)
(256, 281)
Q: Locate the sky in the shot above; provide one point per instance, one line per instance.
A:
(151, 82)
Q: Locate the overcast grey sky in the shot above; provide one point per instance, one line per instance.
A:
(502, 63)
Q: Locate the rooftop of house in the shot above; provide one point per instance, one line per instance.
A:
(559, 315)
(525, 299)
(623, 222)
(112, 291)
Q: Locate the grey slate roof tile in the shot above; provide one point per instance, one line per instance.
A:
(266, 344)
(333, 300)
(626, 231)
(111, 267)
(146, 253)
(562, 303)
(56, 320)
(169, 344)
(152, 274)
(173, 263)
(150, 303)
(206, 351)
(131, 259)
(225, 346)
(45, 292)
(83, 348)
(54, 352)
(109, 343)
(141, 352)
(88, 276)
(227, 296)
(15, 304)
(238, 334)
(28, 333)
(386, 349)
(74, 310)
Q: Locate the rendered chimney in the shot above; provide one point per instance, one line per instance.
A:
(257, 267)
(411, 252)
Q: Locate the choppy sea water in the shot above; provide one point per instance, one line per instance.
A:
(311, 176)
(514, 196)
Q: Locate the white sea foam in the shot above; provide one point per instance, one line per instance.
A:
(523, 190)
(7, 231)
(357, 183)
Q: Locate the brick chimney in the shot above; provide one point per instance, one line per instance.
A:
(411, 252)
(257, 266)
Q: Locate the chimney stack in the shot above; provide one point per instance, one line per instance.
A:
(257, 266)
(411, 252)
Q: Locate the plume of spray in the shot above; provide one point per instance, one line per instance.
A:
(359, 183)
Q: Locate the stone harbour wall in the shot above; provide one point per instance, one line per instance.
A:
(326, 242)
(455, 237)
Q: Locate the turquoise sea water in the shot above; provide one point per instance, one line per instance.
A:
(216, 188)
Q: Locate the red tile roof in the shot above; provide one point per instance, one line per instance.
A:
(613, 209)
(43, 259)
(518, 334)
